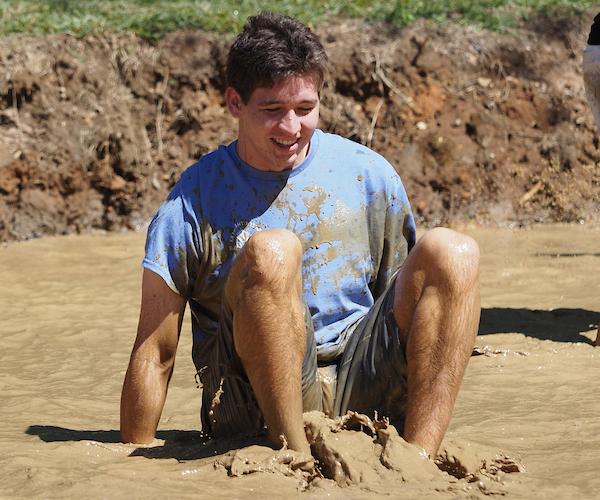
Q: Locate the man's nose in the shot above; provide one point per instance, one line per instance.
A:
(290, 123)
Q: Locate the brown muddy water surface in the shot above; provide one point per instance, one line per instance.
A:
(69, 312)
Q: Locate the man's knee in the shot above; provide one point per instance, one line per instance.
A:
(270, 253)
(450, 256)
(269, 259)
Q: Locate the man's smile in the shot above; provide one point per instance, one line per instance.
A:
(285, 144)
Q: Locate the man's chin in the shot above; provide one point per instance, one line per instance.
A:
(286, 162)
(294, 159)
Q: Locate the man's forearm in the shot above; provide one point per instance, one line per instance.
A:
(142, 399)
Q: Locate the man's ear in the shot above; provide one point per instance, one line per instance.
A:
(233, 101)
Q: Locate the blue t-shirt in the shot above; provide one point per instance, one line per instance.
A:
(346, 204)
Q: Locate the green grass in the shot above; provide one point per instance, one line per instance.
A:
(154, 18)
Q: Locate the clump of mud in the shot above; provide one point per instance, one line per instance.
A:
(356, 451)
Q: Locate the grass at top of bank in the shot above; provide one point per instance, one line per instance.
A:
(153, 18)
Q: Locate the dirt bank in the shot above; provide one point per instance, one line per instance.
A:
(485, 127)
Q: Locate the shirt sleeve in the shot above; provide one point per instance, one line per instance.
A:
(172, 246)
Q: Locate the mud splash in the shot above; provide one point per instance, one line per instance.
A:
(355, 450)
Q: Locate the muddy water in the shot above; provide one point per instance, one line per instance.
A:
(69, 310)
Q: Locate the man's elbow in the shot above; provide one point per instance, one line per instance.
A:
(155, 361)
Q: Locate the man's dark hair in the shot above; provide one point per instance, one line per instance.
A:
(270, 48)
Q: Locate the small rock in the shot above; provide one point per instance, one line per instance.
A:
(483, 82)
(471, 58)
(117, 183)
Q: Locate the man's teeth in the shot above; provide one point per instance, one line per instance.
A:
(284, 143)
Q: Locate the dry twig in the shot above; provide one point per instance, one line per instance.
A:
(374, 122)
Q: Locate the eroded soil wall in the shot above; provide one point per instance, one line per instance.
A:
(481, 126)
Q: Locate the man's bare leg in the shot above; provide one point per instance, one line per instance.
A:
(437, 310)
(264, 290)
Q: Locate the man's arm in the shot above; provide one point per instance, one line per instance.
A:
(152, 359)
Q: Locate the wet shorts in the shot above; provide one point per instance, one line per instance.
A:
(369, 377)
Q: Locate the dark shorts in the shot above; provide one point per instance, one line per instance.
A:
(369, 377)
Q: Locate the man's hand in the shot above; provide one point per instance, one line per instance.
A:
(152, 359)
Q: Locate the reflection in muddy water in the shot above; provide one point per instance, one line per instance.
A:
(69, 312)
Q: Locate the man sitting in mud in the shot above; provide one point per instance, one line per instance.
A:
(296, 252)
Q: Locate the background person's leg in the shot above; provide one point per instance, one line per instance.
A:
(591, 80)
(264, 291)
(437, 311)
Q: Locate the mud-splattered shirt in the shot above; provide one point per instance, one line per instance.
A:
(345, 202)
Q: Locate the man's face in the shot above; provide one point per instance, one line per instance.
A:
(276, 124)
